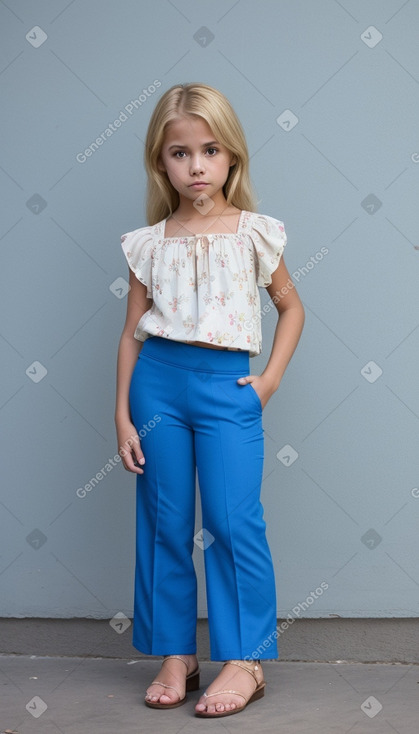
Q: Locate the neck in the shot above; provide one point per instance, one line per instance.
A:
(187, 209)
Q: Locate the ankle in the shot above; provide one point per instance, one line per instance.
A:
(190, 660)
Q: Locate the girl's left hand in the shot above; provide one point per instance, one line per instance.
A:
(261, 387)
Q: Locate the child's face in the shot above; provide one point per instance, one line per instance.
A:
(191, 153)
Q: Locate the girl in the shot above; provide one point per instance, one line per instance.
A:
(186, 402)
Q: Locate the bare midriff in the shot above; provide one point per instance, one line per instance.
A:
(214, 346)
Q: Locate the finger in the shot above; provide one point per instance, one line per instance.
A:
(244, 380)
(131, 457)
(130, 465)
(138, 455)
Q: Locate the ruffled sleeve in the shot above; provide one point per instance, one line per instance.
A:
(137, 247)
(269, 240)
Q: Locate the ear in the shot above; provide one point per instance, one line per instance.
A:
(161, 166)
(233, 161)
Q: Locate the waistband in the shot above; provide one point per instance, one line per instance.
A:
(191, 356)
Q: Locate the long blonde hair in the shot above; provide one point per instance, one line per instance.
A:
(210, 104)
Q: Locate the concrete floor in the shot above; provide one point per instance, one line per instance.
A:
(65, 695)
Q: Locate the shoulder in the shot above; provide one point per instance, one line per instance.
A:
(264, 229)
(140, 243)
(268, 238)
(139, 247)
(264, 222)
(140, 234)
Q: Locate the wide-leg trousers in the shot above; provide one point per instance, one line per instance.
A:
(194, 418)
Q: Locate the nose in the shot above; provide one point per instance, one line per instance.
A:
(197, 164)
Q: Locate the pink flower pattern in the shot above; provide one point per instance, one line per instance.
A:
(205, 288)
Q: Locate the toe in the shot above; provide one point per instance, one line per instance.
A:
(161, 697)
(203, 704)
(164, 698)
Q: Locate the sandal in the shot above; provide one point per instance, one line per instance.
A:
(191, 684)
(259, 692)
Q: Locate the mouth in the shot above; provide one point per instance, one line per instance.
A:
(198, 184)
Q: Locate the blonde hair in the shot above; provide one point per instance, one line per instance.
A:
(213, 107)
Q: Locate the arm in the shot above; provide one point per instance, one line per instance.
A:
(129, 348)
(287, 333)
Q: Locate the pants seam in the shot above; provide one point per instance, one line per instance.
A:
(193, 369)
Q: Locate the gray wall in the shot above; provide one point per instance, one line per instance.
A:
(343, 513)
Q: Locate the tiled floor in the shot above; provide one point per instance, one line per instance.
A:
(58, 695)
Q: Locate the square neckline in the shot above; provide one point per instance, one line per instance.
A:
(202, 234)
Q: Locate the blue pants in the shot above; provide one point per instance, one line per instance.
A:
(192, 416)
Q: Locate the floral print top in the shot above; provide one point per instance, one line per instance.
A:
(205, 286)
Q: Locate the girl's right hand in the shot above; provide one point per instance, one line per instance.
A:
(129, 447)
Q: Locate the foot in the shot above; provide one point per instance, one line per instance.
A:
(172, 673)
(231, 677)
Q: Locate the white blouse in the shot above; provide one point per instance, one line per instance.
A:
(205, 286)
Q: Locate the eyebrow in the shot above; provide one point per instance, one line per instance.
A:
(204, 145)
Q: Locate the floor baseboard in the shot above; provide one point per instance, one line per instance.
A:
(308, 640)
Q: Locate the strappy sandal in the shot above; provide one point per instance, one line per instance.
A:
(259, 691)
(191, 684)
